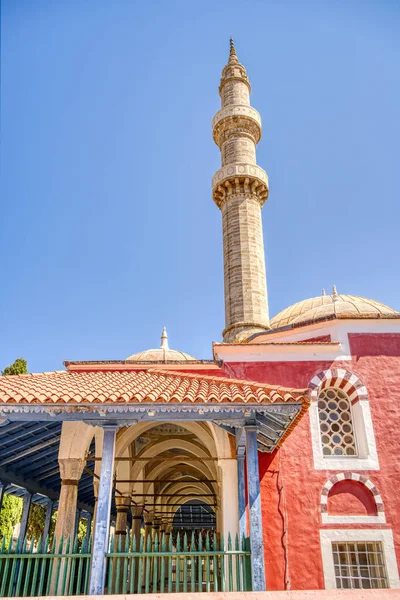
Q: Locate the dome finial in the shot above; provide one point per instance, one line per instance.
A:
(164, 339)
(323, 292)
(335, 294)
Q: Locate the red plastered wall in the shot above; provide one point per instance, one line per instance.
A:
(291, 487)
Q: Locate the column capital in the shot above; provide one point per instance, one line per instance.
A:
(122, 503)
(137, 511)
(71, 470)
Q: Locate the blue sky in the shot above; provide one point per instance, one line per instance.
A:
(108, 230)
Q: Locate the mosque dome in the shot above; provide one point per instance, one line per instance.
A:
(162, 354)
(339, 306)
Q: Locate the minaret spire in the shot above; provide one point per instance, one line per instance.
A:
(232, 52)
(240, 189)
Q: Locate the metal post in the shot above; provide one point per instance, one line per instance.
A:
(241, 494)
(77, 519)
(24, 520)
(47, 522)
(3, 487)
(102, 528)
(256, 533)
(88, 528)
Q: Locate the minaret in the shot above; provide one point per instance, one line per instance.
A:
(240, 189)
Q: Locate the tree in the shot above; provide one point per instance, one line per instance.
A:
(19, 367)
(10, 515)
(11, 511)
(37, 516)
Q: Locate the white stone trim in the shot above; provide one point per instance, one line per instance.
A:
(367, 458)
(338, 329)
(352, 519)
(327, 536)
(278, 352)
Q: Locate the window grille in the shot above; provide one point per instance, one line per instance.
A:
(359, 565)
(336, 423)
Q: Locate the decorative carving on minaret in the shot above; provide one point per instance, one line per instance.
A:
(240, 189)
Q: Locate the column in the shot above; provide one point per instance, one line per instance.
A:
(137, 516)
(148, 526)
(256, 532)
(122, 503)
(24, 519)
(241, 493)
(228, 520)
(70, 470)
(47, 521)
(102, 527)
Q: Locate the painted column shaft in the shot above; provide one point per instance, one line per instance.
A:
(102, 528)
(256, 529)
(241, 497)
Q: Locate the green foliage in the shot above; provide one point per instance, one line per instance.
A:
(10, 515)
(19, 367)
(37, 516)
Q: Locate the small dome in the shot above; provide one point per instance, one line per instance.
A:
(162, 354)
(340, 306)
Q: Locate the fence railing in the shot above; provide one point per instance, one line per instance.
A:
(40, 569)
(155, 564)
(159, 565)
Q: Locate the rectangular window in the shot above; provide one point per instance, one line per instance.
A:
(359, 565)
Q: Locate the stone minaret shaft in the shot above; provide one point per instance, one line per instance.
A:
(240, 188)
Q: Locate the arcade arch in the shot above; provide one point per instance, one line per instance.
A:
(163, 466)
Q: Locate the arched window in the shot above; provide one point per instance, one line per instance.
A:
(336, 423)
(342, 432)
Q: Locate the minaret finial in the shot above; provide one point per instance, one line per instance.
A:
(164, 339)
(335, 294)
(232, 51)
(323, 292)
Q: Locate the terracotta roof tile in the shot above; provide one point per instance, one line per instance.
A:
(152, 385)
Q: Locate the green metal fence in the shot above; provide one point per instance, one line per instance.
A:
(159, 565)
(154, 564)
(40, 569)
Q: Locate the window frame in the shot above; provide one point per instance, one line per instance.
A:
(367, 458)
(353, 426)
(351, 550)
(327, 536)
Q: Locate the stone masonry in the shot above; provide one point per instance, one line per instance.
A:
(240, 189)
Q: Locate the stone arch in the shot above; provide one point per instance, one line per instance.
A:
(221, 440)
(343, 379)
(356, 477)
(162, 447)
(130, 434)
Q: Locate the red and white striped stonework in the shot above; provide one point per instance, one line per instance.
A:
(341, 379)
(353, 477)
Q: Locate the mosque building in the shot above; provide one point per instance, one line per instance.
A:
(282, 449)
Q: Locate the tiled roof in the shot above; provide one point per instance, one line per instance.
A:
(152, 385)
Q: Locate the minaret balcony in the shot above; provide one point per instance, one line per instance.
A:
(240, 179)
(236, 115)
